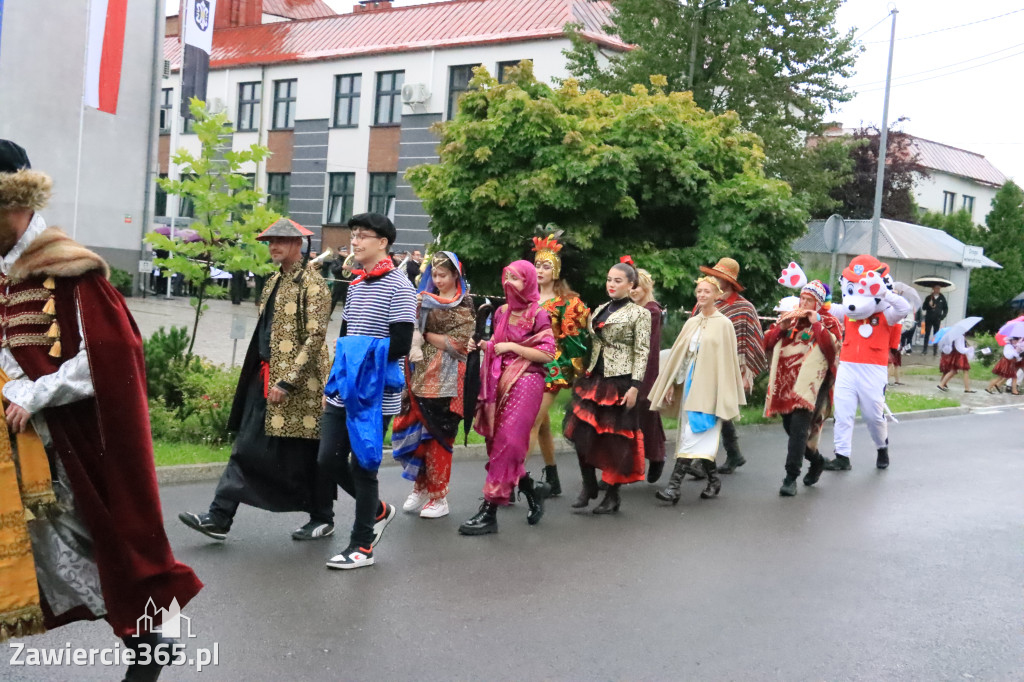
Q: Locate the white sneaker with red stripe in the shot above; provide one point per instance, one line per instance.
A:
(353, 557)
(435, 509)
(416, 499)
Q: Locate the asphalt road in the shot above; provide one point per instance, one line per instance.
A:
(909, 574)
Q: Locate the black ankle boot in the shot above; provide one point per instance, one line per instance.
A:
(534, 499)
(589, 491)
(610, 503)
(551, 478)
(654, 471)
(714, 482)
(882, 461)
(485, 521)
(814, 472)
(671, 492)
(155, 643)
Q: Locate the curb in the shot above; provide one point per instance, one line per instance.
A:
(181, 474)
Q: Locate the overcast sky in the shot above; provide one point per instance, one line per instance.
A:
(959, 86)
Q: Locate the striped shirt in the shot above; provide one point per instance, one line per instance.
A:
(371, 307)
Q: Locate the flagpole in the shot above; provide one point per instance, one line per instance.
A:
(81, 121)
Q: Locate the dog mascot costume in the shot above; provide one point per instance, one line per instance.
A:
(871, 309)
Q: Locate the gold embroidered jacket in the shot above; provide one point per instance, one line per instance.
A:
(624, 339)
(298, 354)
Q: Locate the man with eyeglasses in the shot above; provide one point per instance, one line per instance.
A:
(365, 384)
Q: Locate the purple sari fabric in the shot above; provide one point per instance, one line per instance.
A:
(512, 389)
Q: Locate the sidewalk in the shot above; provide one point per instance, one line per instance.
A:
(213, 340)
(926, 384)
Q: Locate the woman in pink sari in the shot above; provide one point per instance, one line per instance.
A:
(511, 390)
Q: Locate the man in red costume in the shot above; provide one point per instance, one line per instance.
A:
(80, 523)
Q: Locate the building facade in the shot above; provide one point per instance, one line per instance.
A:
(345, 102)
(958, 180)
(100, 162)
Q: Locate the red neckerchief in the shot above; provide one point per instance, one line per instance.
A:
(382, 268)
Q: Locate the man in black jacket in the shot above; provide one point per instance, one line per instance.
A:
(935, 310)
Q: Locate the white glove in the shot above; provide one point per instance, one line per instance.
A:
(416, 352)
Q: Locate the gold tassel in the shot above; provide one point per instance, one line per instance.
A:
(55, 349)
(51, 307)
(54, 332)
(49, 283)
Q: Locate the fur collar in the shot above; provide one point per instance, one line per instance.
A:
(55, 254)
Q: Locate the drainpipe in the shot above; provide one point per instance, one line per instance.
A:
(151, 137)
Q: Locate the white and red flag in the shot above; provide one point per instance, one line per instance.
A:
(104, 54)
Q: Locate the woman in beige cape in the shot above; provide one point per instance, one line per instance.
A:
(701, 377)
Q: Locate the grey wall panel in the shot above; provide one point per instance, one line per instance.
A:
(309, 175)
(417, 145)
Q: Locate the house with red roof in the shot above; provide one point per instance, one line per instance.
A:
(345, 101)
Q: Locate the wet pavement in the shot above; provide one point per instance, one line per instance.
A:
(908, 574)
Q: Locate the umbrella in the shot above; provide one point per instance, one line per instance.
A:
(217, 273)
(951, 334)
(185, 234)
(908, 293)
(471, 382)
(934, 281)
(787, 304)
(1017, 301)
(1014, 329)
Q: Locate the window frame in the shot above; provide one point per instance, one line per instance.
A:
(352, 99)
(159, 197)
(347, 198)
(274, 201)
(390, 183)
(948, 202)
(254, 105)
(453, 92)
(394, 95)
(501, 66)
(969, 208)
(166, 105)
(289, 101)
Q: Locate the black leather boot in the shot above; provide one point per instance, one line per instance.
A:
(882, 462)
(485, 521)
(817, 466)
(840, 463)
(610, 503)
(551, 478)
(654, 471)
(589, 491)
(671, 492)
(534, 499)
(734, 459)
(155, 644)
(714, 482)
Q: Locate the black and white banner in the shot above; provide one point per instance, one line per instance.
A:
(197, 43)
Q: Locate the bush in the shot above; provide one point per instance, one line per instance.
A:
(983, 340)
(121, 280)
(189, 399)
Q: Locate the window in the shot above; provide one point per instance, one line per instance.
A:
(346, 100)
(969, 205)
(382, 192)
(389, 98)
(188, 125)
(285, 93)
(160, 204)
(342, 196)
(948, 203)
(186, 209)
(249, 95)
(250, 182)
(278, 188)
(458, 83)
(503, 68)
(166, 110)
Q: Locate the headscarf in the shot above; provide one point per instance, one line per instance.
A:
(525, 299)
(429, 298)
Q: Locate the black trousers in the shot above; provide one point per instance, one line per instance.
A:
(730, 439)
(339, 467)
(930, 327)
(798, 426)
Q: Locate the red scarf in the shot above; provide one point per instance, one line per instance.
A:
(382, 268)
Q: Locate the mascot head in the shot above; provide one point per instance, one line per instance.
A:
(863, 284)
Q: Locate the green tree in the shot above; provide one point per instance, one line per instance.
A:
(959, 225)
(228, 213)
(991, 288)
(779, 64)
(648, 173)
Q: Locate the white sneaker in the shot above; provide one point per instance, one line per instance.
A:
(435, 509)
(416, 499)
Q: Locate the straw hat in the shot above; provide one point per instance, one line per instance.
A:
(727, 270)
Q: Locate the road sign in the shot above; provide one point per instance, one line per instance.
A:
(145, 266)
(834, 232)
(238, 327)
(973, 257)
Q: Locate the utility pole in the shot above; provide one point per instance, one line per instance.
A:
(693, 48)
(883, 145)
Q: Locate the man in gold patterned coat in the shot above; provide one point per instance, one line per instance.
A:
(277, 405)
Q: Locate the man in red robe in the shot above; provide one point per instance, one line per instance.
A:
(80, 519)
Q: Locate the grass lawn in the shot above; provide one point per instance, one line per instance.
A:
(978, 373)
(169, 453)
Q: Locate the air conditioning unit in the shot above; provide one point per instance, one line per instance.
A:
(167, 68)
(415, 93)
(216, 105)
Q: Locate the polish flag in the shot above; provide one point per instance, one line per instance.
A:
(104, 53)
